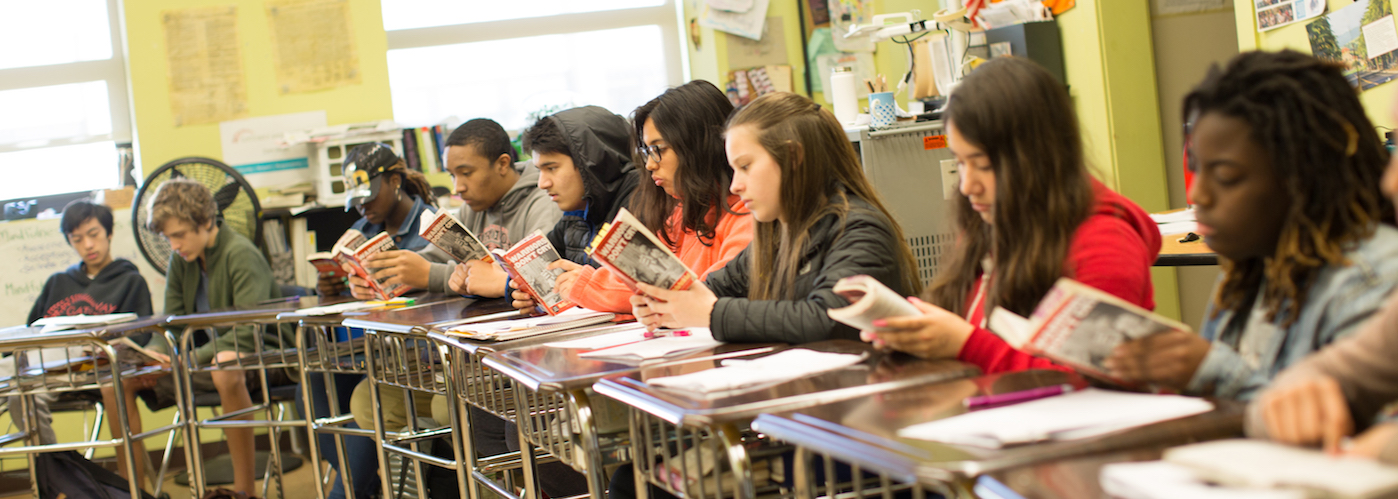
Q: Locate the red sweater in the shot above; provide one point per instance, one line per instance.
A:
(1112, 250)
(598, 289)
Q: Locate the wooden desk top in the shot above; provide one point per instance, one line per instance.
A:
(1174, 253)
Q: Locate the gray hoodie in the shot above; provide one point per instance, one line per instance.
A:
(521, 211)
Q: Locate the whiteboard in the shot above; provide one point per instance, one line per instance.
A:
(32, 250)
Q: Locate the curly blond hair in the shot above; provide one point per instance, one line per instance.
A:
(181, 199)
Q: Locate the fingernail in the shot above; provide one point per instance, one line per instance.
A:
(915, 299)
(880, 323)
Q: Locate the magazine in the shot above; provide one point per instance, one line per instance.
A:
(351, 251)
(528, 262)
(637, 255)
(1079, 326)
(446, 232)
(869, 300)
(326, 262)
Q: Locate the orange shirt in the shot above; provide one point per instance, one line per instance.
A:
(598, 289)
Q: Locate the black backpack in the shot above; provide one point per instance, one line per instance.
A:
(69, 474)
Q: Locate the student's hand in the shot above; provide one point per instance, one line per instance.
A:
(401, 266)
(641, 309)
(330, 284)
(485, 279)
(1372, 442)
(457, 282)
(359, 288)
(1308, 412)
(1166, 359)
(673, 309)
(571, 271)
(522, 301)
(936, 334)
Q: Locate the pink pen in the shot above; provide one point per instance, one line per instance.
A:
(663, 334)
(1001, 399)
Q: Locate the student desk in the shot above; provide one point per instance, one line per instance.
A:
(717, 455)
(401, 354)
(324, 347)
(260, 358)
(1174, 253)
(61, 373)
(863, 433)
(556, 382)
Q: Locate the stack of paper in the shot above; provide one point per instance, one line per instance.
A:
(657, 348)
(531, 326)
(775, 368)
(1178, 222)
(1082, 414)
(1162, 480)
(81, 321)
(1260, 464)
(343, 307)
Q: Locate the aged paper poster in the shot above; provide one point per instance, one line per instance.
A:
(312, 45)
(206, 67)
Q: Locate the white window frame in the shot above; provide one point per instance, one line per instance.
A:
(113, 71)
(669, 16)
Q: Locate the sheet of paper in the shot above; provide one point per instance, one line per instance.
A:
(1178, 228)
(566, 316)
(1162, 480)
(731, 5)
(778, 367)
(1263, 464)
(698, 339)
(207, 84)
(770, 50)
(1178, 216)
(313, 45)
(602, 340)
(747, 24)
(1076, 415)
(254, 147)
(1380, 37)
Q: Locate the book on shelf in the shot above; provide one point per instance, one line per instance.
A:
(1078, 326)
(446, 232)
(635, 254)
(352, 250)
(869, 300)
(528, 261)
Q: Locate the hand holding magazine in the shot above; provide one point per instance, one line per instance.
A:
(869, 300)
(1079, 326)
(635, 254)
(446, 232)
(352, 250)
(528, 264)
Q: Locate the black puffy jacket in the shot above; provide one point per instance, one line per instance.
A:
(861, 245)
(600, 143)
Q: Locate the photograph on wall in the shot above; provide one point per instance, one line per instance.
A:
(1363, 38)
(1273, 14)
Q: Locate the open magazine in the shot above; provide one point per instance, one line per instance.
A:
(1078, 325)
(352, 250)
(636, 255)
(528, 262)
(869, 300)
(446, 232)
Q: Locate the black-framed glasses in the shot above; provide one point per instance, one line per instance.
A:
(651, 152)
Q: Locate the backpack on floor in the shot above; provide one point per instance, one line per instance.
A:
(69, 474)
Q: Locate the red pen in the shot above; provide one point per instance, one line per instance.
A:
(1001, 399)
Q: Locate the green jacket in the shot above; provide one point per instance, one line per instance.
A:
(238, 276)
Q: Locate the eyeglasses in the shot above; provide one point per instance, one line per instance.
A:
(651, 152)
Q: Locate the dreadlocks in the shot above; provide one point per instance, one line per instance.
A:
(1330, 159)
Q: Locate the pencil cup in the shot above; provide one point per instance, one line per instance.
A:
(881, 109)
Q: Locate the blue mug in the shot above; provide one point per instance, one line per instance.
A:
(882, 111)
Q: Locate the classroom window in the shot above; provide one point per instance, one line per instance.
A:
(617, 69)
(408, 14)
(507, 60)
(63, 95)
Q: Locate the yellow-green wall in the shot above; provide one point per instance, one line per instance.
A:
(159, 140)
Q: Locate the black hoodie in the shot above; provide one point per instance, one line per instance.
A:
(599, 142)
(118, 288)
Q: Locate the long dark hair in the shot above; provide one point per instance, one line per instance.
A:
(1023, 119)
(817, 163)
(691, 118)
(412, 182)
(1323, 146)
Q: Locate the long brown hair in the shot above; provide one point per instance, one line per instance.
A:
(1330, 159)
(1023, 119)
(817, 163)
(690, 117)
